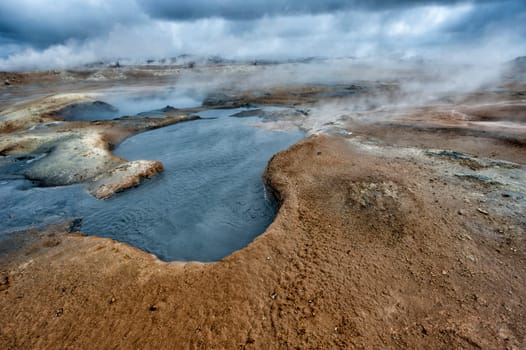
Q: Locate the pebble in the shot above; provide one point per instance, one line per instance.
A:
(480, 210)
(4, 283)
(471, 258)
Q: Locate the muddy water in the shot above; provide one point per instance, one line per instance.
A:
(208, 202)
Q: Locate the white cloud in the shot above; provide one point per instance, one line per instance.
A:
(418, 31)
(428, 20)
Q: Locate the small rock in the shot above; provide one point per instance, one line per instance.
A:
(274, 295)
(7, 82)
(482, 211)
(59, 312)
(153, 308)
(112, 300)
(461, 212)
(471, 258)
(75, 225)
(4, 283)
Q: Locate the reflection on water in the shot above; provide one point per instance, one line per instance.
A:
(208, 202)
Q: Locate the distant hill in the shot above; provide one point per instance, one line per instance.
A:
(519, 63)
(516, 69)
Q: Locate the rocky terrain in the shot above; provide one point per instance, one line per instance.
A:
(75, 151)
(401, 226)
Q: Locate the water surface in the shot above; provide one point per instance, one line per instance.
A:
(208, 202)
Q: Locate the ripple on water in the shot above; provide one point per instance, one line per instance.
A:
(208, 202)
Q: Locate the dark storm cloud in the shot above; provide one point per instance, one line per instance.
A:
(43, 23)
(249, 10)
(65, 33)
(491, 17)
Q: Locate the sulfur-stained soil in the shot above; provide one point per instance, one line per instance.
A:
(367, 251)
(398, 228)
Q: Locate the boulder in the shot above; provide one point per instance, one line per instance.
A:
(122, 177)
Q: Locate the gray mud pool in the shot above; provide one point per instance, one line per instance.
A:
(208, 202)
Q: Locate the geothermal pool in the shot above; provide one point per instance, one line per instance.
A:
(208, 202)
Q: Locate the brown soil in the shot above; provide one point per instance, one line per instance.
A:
(367, 251)
(15, 78)
(482, 144)
(372, 249)
(456, 127)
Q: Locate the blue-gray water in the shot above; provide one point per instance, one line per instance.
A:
(208, 202)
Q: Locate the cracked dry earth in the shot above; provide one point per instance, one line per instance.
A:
(369, 250)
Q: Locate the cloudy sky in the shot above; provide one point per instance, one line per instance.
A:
(64, 33)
